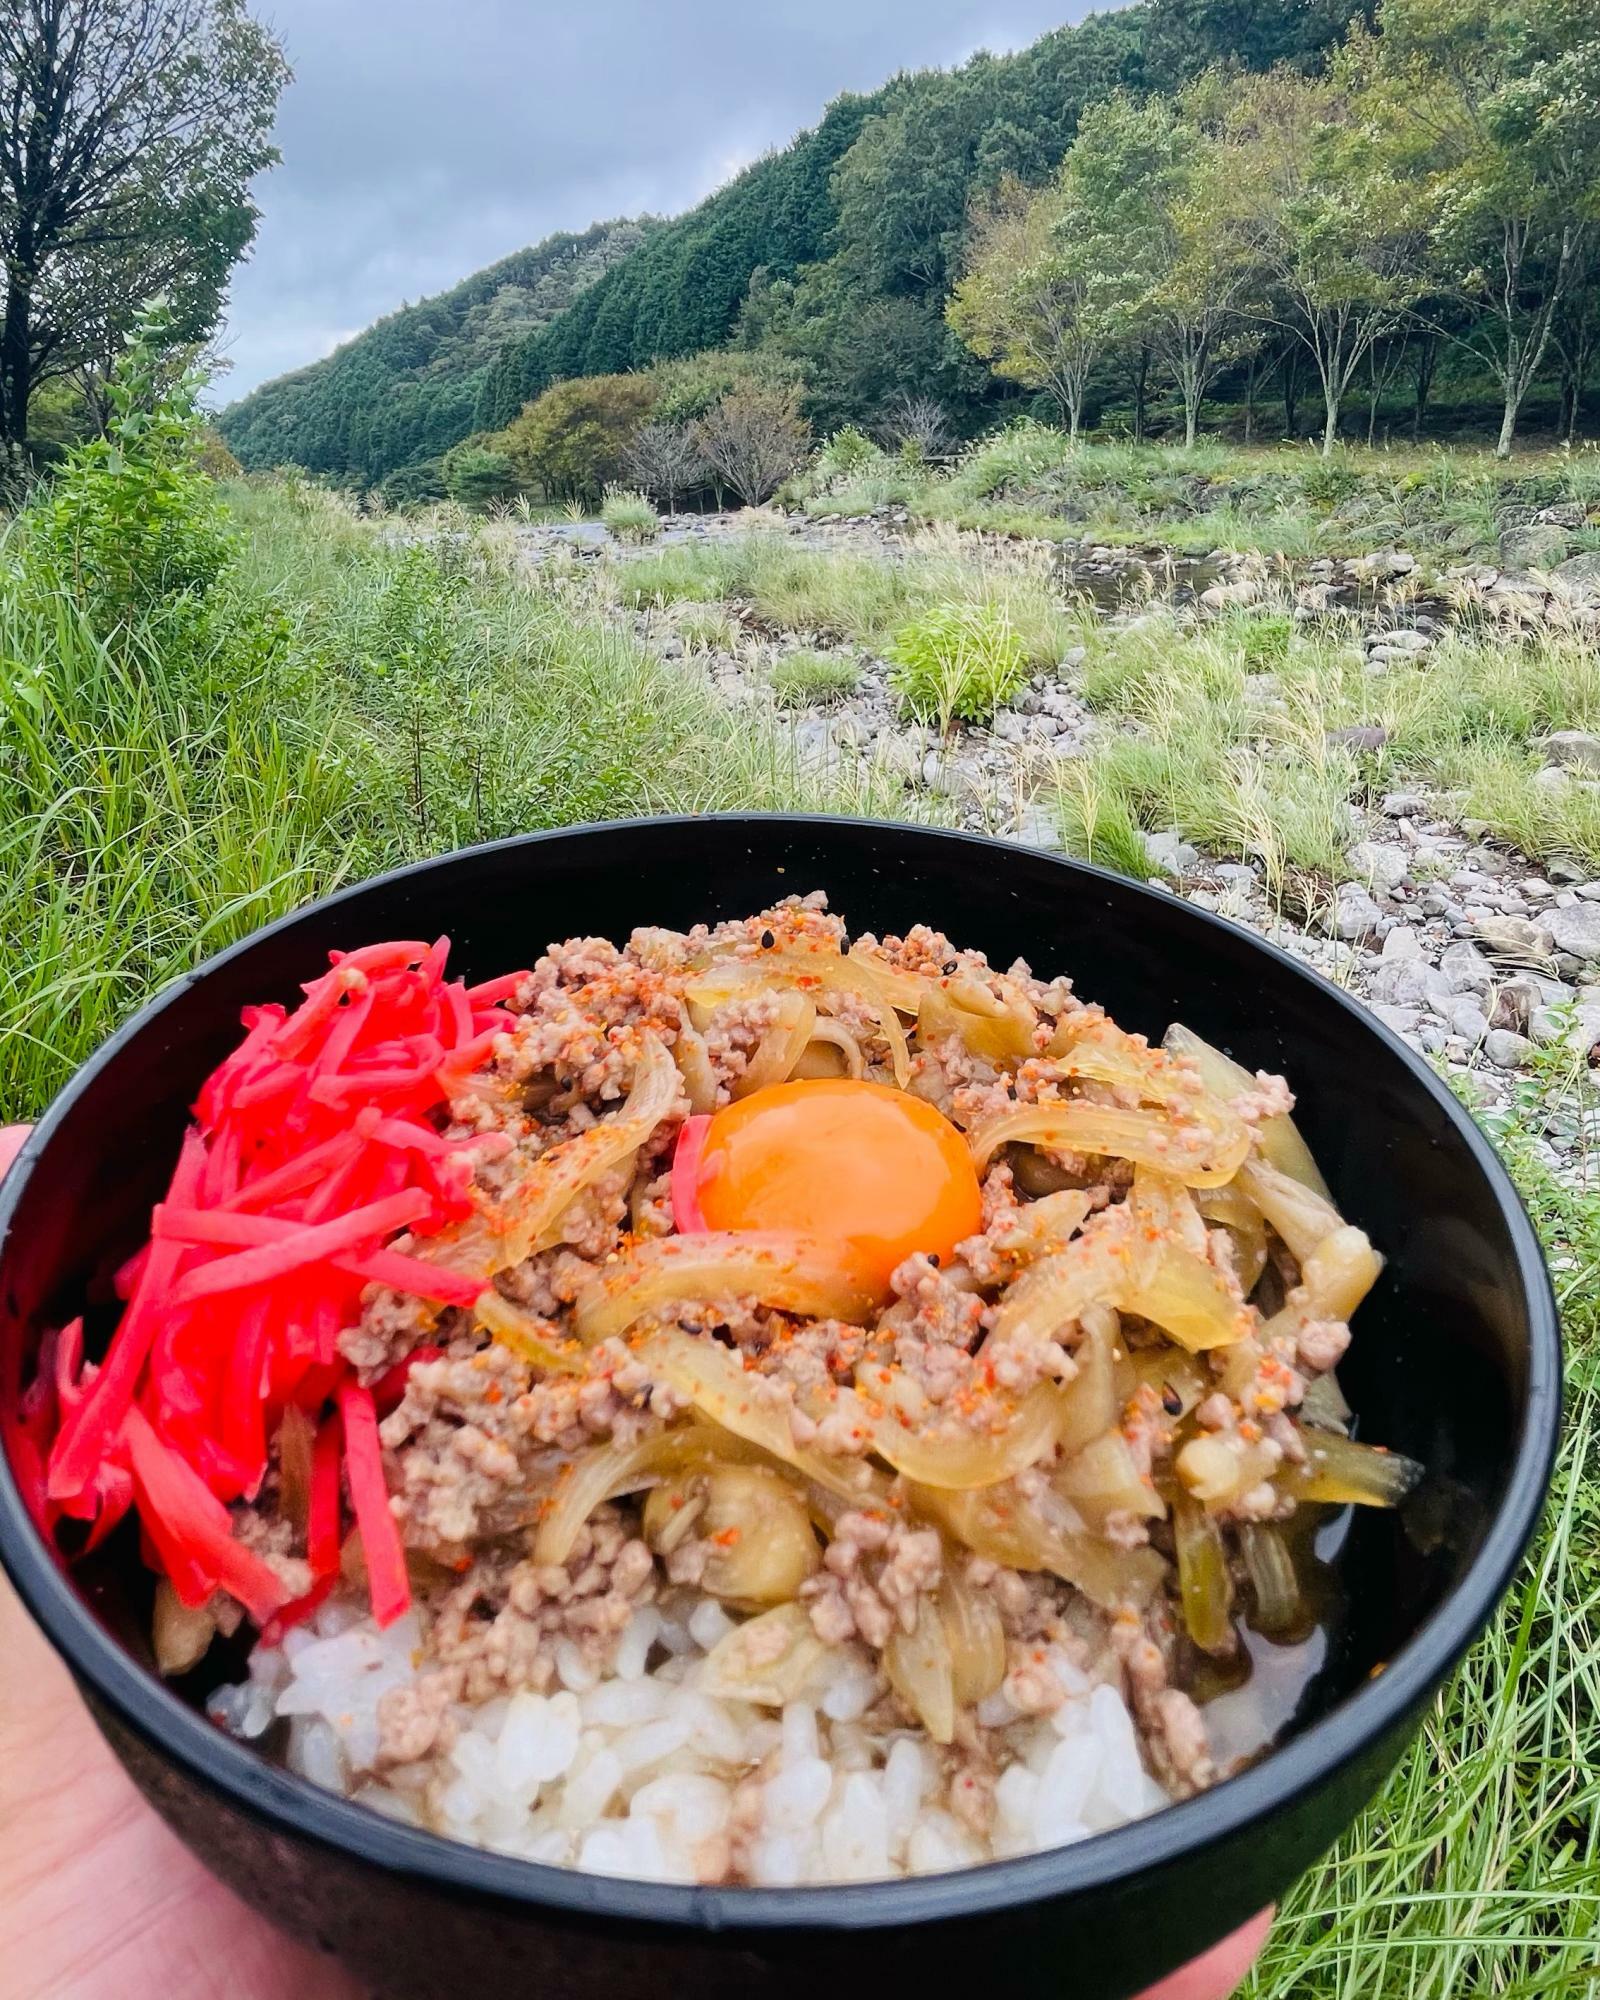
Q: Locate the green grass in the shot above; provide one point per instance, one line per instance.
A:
(630, 517)
(810, 679)
(957, 660)
(400, 702)
(1477, 1873)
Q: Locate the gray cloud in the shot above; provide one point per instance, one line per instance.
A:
(422, 141)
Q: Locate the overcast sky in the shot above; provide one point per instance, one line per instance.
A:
(423, 139)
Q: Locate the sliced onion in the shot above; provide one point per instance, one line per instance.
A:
(1174, 1375)
(1233, 1210)
(1324, 1405)
(999, 1523)
(1103, 1479)
(797, 1274)
(723, 1389)
(1205, 1589)
(1300, 1215)
(782, 1046)
(769, 1660)
(954, 1456)
(812, 972)
(1188, 1300)
(1344, 1473)
(998, 1030)
(920, 1671)
(1089, 1400)
(1279, 1609)
(1279, 1139)
(1198, 1153)
(693, 1059)
(527, 1336)
(833, 1051)
(977, 1638)
(1051, 1296)
(587, 1482)
(528, 1218)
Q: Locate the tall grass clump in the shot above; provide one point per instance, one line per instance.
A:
(957, 660)
(811, 679)
(629, 516)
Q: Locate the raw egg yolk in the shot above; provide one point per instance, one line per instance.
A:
(840, 1159)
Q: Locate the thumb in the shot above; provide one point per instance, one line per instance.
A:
(11, 1141)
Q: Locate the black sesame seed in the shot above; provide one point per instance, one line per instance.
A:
(1171, 1401)
(767, 940)
(844, 947)
(933, 1259)
(952, 968)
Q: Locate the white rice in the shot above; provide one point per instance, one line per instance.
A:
(644, 1772)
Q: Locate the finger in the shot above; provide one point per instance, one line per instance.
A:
(11, 1141)
(96, 1895)
(1215, 1973)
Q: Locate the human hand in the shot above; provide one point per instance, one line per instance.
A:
(97, 1896)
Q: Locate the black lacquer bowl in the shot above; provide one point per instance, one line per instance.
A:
(1456, 1361)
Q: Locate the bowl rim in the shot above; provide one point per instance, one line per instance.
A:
(296, 1809)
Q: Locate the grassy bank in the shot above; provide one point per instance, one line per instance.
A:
(1453, 505)
(350, 703)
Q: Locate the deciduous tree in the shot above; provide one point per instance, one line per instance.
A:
(754, 438)
(129, 133)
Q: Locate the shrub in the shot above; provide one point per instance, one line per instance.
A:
(804, 680)
(133, 525)
(629, 516)
(414, 485)
(846, 453)
(957, 660)
(478, 477)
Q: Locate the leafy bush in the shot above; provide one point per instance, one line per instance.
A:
(132, 525)
(957, 660)
(414, 485)
(1327, 481)
(846, 453)
(478, 477)
(629, 516)
(804, 680)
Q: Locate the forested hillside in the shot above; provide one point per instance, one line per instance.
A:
(407, 389)
(839, 251)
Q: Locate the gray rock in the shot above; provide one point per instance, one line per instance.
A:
(1547, 1026)
(1579, 576)
(1239, 872)
(1357, 736)
(1515, 940)
(1404, 805)
(900, 756)
(1036, 827)
(1381, 863)
(1505, 1049)
(1515, 1003)
(1403, 1020)
(1382, 565)
(1398, 982)
(1355, 914)
(1466, 969)
(1074, 656)
(1406, 639)
(1011, 727)
(1562, 867)
(1468, 1020)
(1170, 852)
(1573, 750)
(1539, 545)
(1576, 931)
(1403, 943)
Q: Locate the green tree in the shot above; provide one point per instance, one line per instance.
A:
(753, 439)
(129, 135)
(478, 476)
(572, 439)
(1334, 233)
(1491, 108)
(1050, 289)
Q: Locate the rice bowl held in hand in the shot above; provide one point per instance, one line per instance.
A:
(755, 1405)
